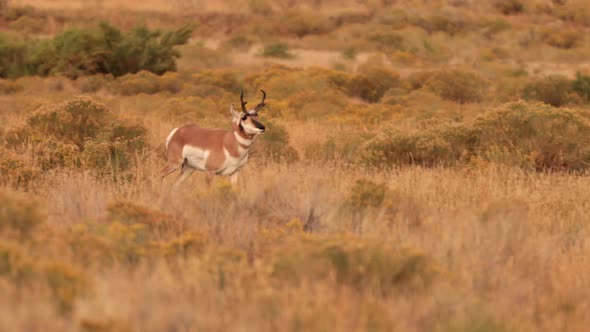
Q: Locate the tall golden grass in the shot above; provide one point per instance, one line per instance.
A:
(403, 184)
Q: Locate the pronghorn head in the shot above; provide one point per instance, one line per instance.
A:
(247, 120)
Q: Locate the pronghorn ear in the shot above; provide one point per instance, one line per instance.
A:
(234, 113)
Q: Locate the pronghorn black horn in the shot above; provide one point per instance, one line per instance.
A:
(243, 102)
(261, 104)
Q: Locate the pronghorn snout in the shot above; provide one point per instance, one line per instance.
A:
(260, 126)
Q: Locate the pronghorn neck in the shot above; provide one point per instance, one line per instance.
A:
(244, 140)
(240, 130)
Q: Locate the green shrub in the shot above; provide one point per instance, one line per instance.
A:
(553, 90)
(277, 50)
(101, 50)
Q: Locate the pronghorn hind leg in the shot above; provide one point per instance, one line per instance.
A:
(167, 170)
(185, 172)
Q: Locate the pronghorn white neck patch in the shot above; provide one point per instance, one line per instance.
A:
(242, 140)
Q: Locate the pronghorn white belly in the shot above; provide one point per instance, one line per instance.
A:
(195, 157)
(232, 164)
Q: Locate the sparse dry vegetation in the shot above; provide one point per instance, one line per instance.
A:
(426, 166)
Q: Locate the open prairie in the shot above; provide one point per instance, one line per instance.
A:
(426, 166)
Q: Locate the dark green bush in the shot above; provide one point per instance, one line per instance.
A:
(101, 50)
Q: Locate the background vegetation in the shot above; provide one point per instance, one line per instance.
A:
(425, 166)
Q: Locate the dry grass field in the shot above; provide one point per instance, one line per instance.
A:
(426, 166)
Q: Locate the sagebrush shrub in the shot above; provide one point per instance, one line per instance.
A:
(157, 223)
(509, 7)
(238, 43)
(8, 87)
(277, 50)
(362, 265)
(302, 23)
(12, 13)
(562, 38)
(79, 133)
(553, 90)
(458, 85)
(581, 86)
(274, 145)
(528, 135)
(15, 172)
(18, 216)
(548, 138)
(370, 83)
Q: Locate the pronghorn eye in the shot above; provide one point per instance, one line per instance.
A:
(244, 117)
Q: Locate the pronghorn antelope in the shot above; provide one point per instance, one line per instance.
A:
(215, 151)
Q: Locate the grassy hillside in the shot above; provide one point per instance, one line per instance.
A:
(425, 166)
